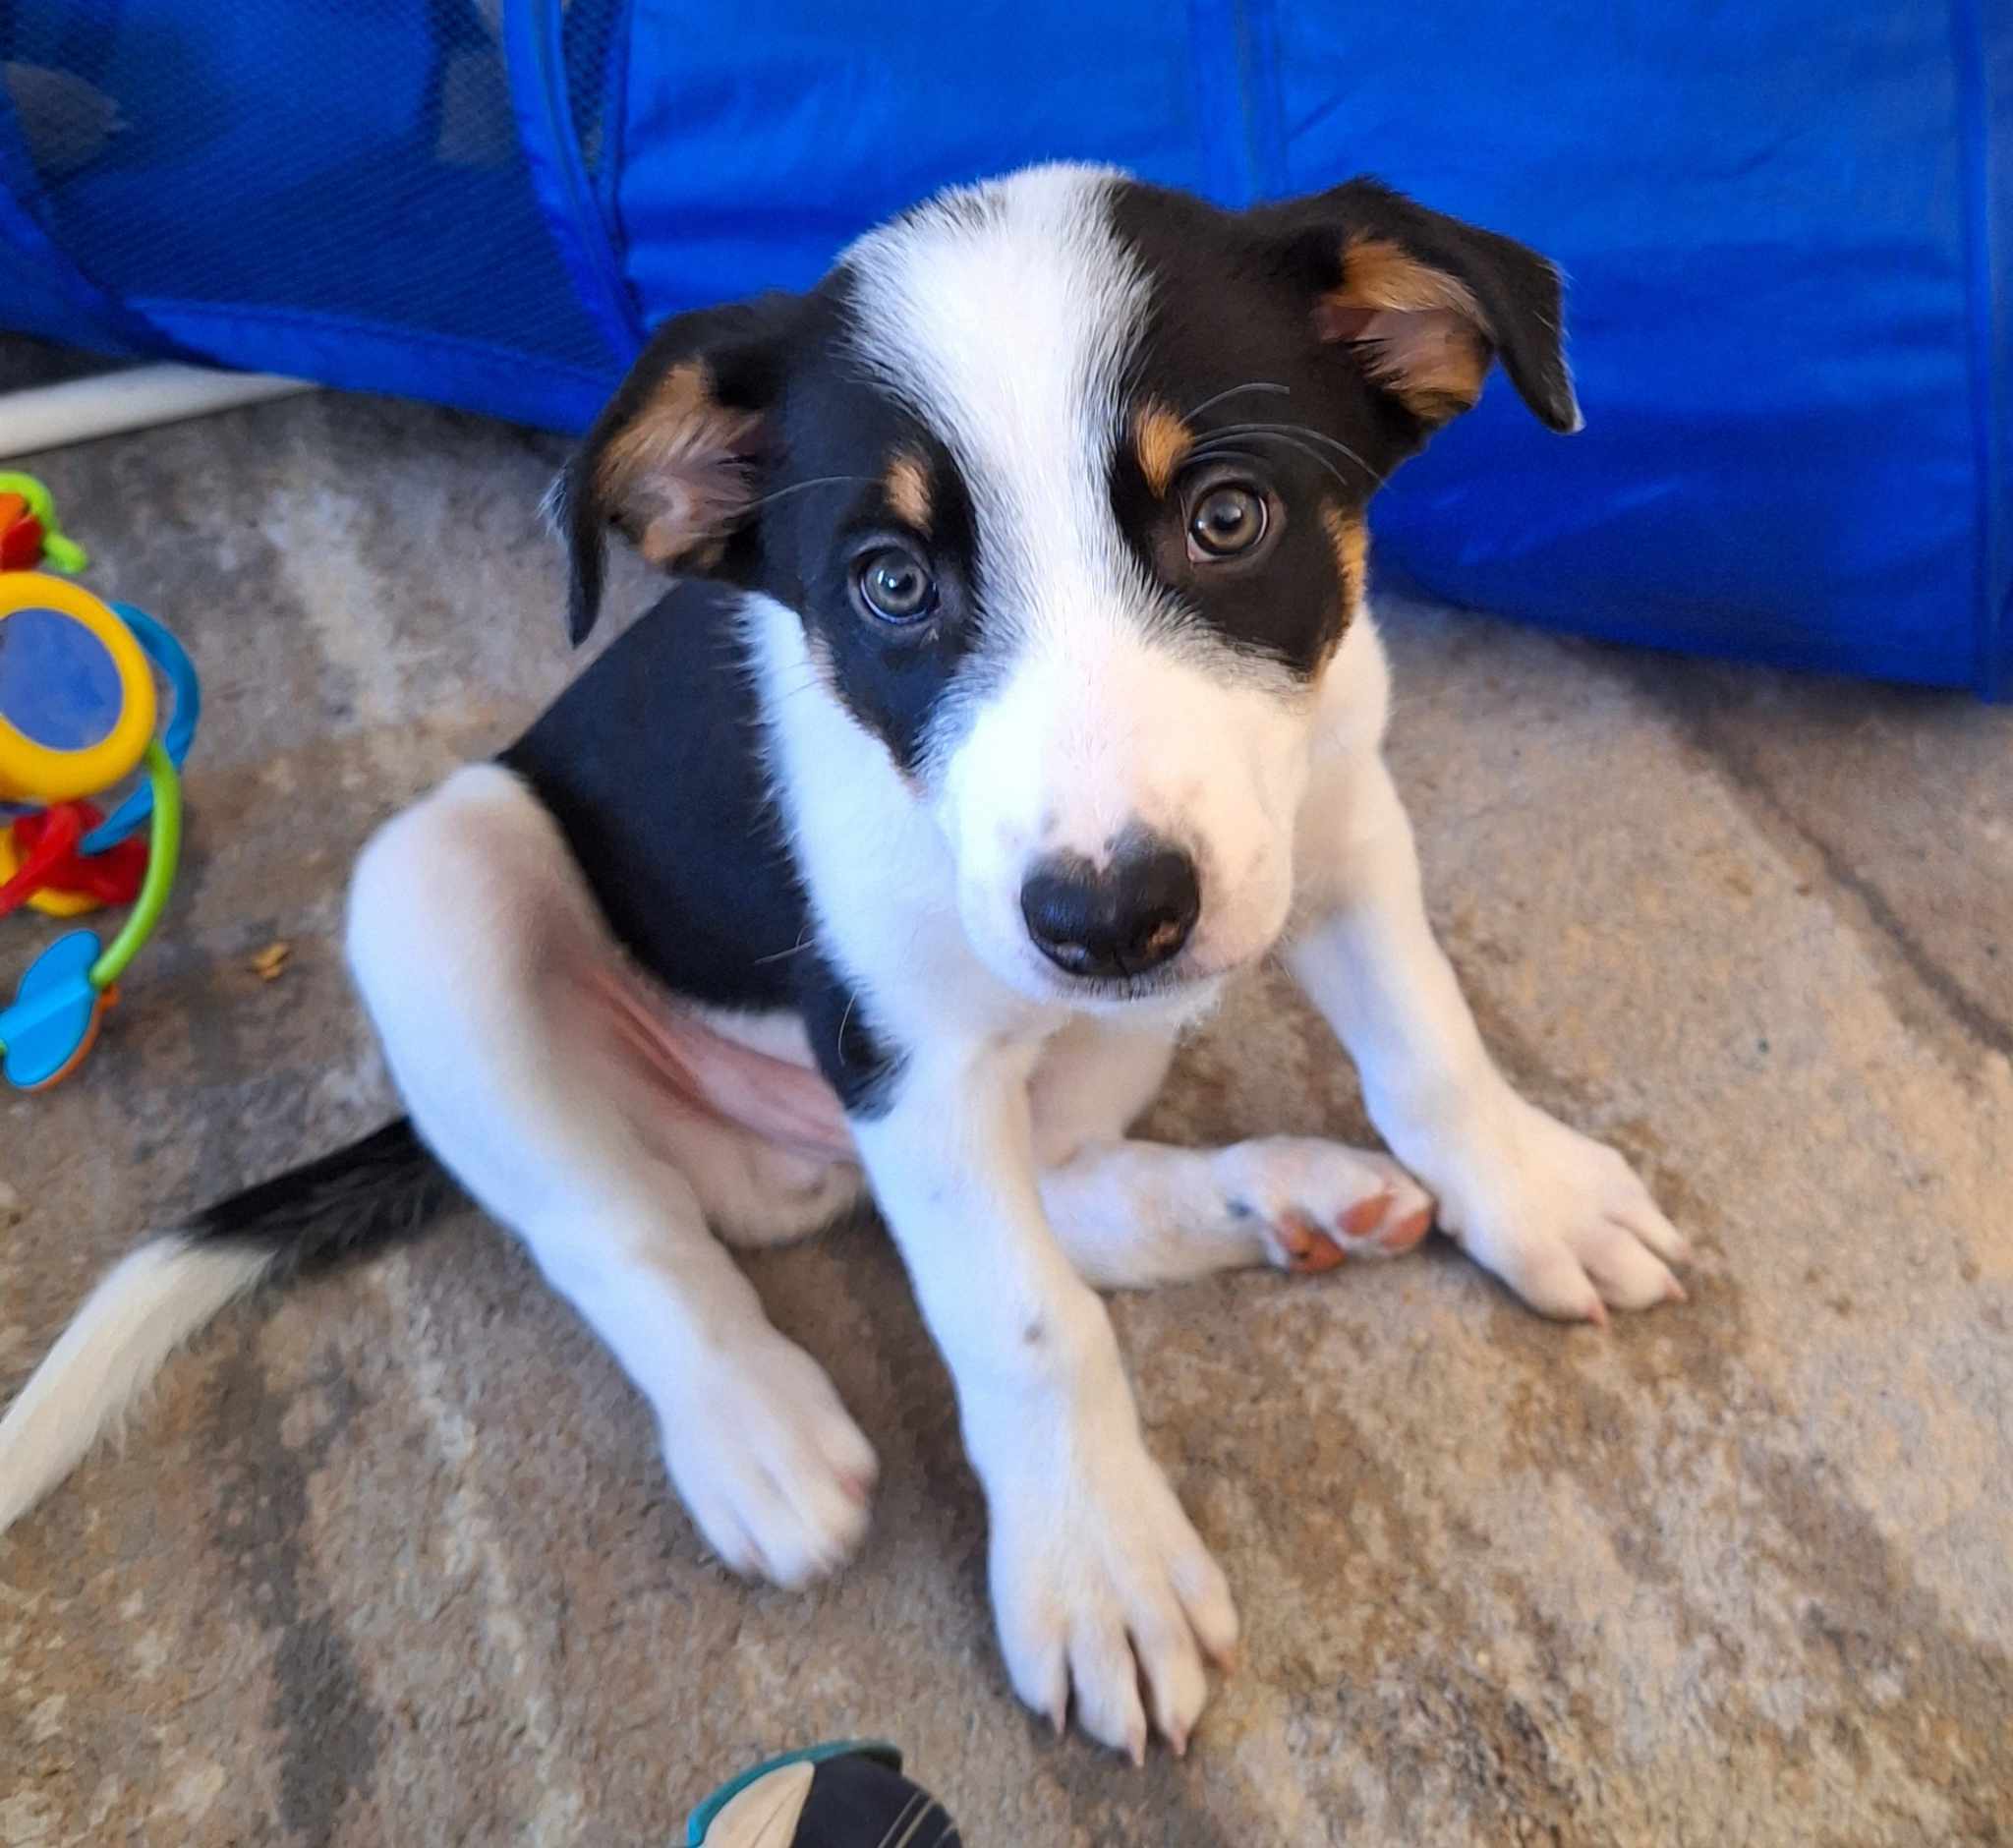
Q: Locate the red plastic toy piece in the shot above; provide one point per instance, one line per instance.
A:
(45, 846)
(60, 832)
(21, 535)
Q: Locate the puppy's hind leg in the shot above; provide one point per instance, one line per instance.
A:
(484, 965)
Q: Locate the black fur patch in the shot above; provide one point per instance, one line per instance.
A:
(378, 1192)
(839, 427)
(817, 501)
(1232, 322)
(649, 763)
(857, 1059)
(1231, 347)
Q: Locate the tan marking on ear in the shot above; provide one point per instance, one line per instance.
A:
(674, 476)
(1378, 273)
(906, 485)
(681, 398)
(1161, 442)
(1420, 330)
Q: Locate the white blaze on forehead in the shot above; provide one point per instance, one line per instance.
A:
(1007, 318)
(1004, 315)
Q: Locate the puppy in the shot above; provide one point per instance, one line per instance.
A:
(1020, 687)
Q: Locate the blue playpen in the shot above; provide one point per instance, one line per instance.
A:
(1787, 227)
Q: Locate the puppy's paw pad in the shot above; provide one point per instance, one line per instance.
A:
(1298, 1245)
(1321, 1203)
(1401, 1231)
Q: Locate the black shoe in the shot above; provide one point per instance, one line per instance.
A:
(847, 1795)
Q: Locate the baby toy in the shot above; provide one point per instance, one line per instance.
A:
(77, 716)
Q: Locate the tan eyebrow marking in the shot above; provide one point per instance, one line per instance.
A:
(908, 487)
(1161, 442)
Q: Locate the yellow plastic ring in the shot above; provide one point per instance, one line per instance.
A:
(34, 773)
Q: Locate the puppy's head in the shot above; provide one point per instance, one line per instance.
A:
(1066, 478)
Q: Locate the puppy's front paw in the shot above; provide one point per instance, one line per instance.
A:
(1563, 1221)
(773, 1471)
(1318, 1202)
(1101, 1584)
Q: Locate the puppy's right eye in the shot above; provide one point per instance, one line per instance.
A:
(1227, 519)
(894, 586)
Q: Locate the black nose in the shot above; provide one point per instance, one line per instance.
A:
(1119, 920)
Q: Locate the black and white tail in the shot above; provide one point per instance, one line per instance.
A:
(356, 1200)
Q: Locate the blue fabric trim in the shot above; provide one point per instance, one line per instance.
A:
(355, 356)
(535, 58)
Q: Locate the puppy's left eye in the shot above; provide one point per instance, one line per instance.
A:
(895, 585)
(1228, 518)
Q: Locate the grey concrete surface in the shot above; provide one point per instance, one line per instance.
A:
(392, 1560)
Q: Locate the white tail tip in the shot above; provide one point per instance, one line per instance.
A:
(141, 1312)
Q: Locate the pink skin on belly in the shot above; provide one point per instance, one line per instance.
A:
(788, 1105)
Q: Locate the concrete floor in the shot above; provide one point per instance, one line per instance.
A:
(393, 1559)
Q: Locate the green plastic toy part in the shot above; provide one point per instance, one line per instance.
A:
(163, 851)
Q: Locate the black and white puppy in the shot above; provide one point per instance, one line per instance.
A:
(1022, 690)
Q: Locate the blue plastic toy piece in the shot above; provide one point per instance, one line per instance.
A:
(54, 1011)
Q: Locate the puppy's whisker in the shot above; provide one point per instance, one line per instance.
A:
(1307, 431)
(1206, 450)
(1235, 391)
(797, 948)
(1222, 452)
(810, 683)
(800, 488)
(1303, 431)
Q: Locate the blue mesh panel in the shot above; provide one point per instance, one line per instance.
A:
(312, 165)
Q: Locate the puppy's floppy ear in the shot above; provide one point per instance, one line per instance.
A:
(675, 461)
(1426, 302)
